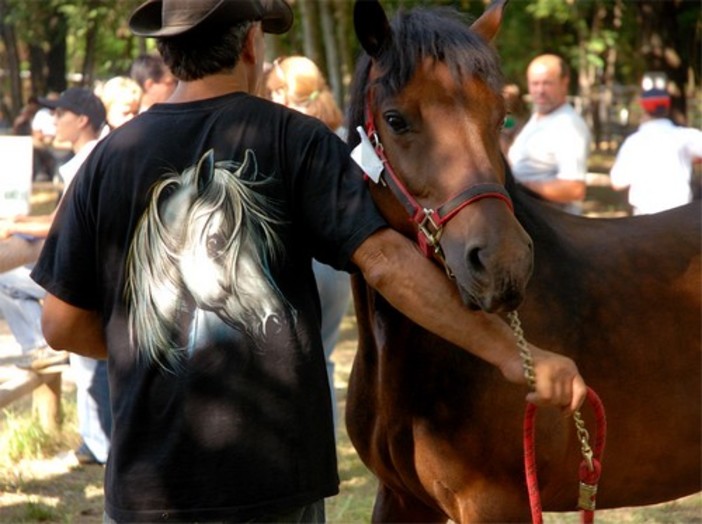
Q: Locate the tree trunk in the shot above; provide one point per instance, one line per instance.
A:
(343, 19)
(310, 37)
(37, 69)
(331, 49)
(88, 71)
(9, 40)
(56, 56)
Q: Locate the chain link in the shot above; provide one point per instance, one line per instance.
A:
(524, 352)
(530, 375)
(584, 438)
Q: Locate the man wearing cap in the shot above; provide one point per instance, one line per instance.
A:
(655, 162)
(549, 154)
(79, 117)
(183, 251)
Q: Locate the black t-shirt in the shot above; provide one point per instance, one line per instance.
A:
(191, 230)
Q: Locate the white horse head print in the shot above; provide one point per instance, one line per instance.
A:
(207, 239)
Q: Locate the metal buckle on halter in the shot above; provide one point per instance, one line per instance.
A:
(434, 235)
(375, 140)
(433, 238)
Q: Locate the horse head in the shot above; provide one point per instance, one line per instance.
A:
(428, 91)
(207, 239)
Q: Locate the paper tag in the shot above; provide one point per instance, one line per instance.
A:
(365, 156)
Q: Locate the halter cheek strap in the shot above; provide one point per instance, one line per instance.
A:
(429, 222)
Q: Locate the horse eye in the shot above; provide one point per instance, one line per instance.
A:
(396, 122)
(215, 244)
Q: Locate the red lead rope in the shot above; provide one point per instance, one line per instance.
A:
(590, 467)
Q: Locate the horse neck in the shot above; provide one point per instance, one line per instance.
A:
(550, 229)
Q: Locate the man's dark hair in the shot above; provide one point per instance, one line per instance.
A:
(203, 51)
(147, 67)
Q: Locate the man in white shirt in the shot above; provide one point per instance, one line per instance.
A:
(549, 155)
(655, 162)
(79, 117)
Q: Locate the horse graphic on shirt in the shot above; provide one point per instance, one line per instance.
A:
(205, 244)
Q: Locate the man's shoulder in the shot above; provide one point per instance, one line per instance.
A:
(568, 118)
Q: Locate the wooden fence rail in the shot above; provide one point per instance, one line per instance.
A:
(45, 387)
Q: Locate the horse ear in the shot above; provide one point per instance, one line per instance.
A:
(205, 169)
(489, 22)
(371, 26)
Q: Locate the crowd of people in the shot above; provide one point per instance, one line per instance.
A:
(212, 412)
(548, 150)
(76, 120)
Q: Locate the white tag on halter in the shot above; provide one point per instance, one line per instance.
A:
(365, 156)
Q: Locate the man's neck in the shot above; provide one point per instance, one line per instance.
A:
(539, 114)
(82, 140)
(211, 86)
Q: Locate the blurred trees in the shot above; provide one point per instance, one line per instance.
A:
(609, 43)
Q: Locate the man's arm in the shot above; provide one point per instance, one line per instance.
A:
(33, 226)
(558, 190)
(73, 329)
(390, 264)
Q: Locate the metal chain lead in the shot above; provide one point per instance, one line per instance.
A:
(527, 360)
(584, 438)
(530, 374)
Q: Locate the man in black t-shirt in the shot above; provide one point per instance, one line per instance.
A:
(182, 253)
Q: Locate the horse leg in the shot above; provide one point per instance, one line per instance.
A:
(392, 507)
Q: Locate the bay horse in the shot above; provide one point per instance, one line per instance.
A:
(441, 429)
(201, 254)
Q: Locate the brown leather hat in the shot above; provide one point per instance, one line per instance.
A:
(160, 18)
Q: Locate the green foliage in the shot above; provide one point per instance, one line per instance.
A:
(38, 512)
(22, 437)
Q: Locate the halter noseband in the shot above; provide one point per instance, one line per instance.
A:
(430, 222)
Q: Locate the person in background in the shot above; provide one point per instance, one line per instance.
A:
(155, 79)
(655, 163)
(79, 117)
(297, 82)
(43, 134)
(515, 117)
(182, 253)
(549, 155)
(122, 98)
(22, 124)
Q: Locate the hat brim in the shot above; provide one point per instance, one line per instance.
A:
(147, 21)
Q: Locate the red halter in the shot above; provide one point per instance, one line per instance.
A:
(429, 222)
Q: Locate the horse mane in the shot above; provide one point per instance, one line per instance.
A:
(155, 289)
(441, 34)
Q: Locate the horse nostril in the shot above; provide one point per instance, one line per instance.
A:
(474, 259)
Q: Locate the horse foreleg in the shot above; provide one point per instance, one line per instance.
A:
(392, 507)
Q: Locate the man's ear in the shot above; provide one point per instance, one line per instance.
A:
(248, 53)
(83, 121)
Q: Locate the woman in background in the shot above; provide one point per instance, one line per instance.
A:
(122, 98)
